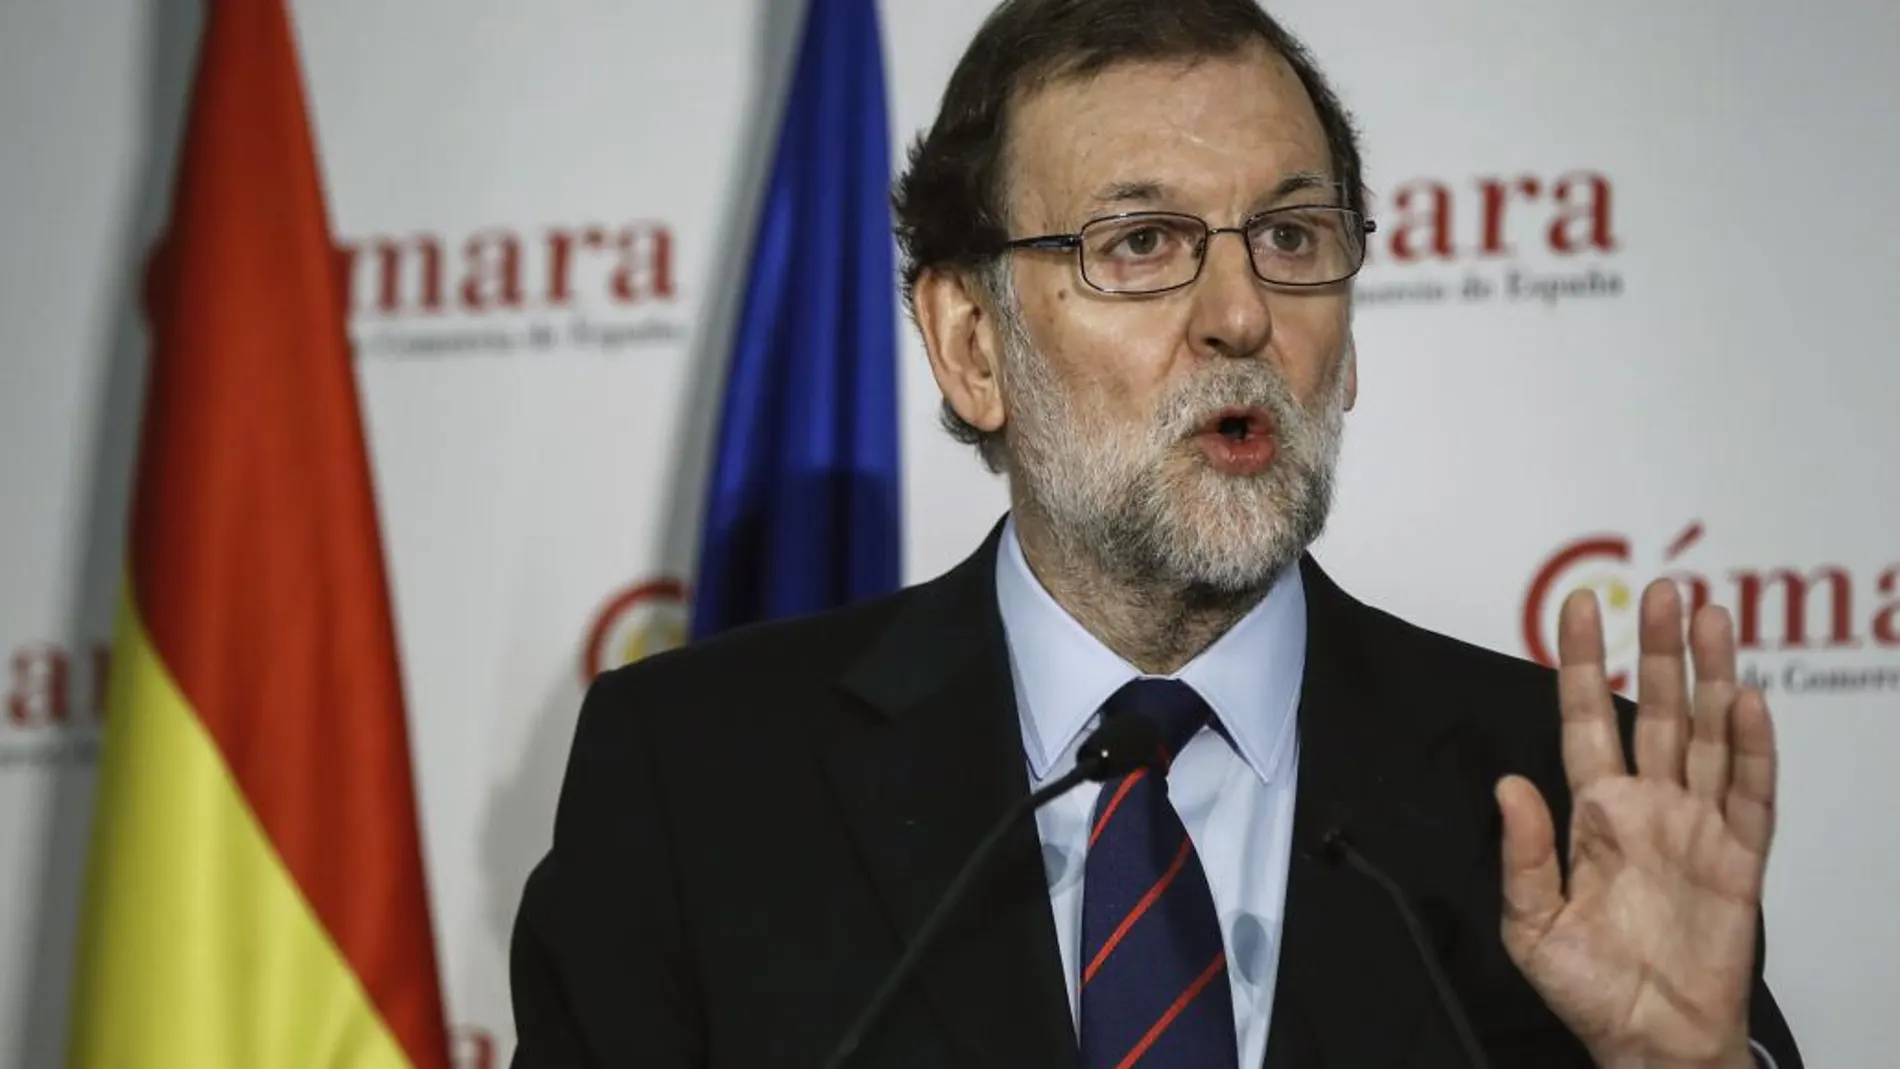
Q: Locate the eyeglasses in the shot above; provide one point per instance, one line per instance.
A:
(1142, 253)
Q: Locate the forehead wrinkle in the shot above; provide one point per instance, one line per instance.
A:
(1190, 141)
(1158, 192)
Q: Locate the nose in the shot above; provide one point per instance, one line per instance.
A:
(1230, 315)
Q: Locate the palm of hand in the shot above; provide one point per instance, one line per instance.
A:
(1648, 953)
(1656, 936)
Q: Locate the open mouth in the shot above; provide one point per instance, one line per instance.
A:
(1239, 424)
(1238, 440)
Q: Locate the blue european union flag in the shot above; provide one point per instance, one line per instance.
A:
(802, 513)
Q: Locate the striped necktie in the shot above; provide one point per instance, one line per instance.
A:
(1154, 986)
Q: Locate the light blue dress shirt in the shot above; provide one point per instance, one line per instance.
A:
(1233, 786)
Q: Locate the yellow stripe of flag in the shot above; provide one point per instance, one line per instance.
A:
(200, 952)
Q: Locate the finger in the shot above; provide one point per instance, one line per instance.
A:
(1592, 748)
(1751, 797)
(1533, 881)
(1662, 685)
(1713, 641)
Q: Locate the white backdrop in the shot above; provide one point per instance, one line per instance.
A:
(1631, 311)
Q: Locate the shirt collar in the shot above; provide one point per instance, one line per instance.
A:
(1250, 676)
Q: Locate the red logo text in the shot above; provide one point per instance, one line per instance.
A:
(1816, 607)
(50, 686)
(499, 270)
(1494, 217)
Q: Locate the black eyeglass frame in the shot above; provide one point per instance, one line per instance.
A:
(1073, 241)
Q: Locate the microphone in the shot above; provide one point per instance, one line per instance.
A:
(1121, 745)
(1334, 848)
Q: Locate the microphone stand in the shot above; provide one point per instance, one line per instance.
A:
(1117, 748)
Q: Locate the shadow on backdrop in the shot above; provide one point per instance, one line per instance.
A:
(171, 34)
(518, 826)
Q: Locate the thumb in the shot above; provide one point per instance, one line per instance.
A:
(1533, 882)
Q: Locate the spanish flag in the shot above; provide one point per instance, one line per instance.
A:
(254, 897)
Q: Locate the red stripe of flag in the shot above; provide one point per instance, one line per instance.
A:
(255, 546)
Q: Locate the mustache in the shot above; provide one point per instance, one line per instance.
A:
(1236, 384)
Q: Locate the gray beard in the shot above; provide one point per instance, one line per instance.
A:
(1145, 507)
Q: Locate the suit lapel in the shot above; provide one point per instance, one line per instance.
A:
(937, 758)
(920, 780)
(1375, 763)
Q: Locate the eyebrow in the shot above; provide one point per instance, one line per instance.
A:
(1297, 182)
(1136, 192)
(1149, 191)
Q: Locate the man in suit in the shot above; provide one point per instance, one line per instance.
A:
(1130, 240)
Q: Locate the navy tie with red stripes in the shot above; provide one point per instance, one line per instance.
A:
(1154, 986)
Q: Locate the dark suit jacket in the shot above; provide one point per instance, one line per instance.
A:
(752, 827)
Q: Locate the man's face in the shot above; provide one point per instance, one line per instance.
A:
(1188, 438)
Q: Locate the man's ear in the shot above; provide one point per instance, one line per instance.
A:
(962, 338)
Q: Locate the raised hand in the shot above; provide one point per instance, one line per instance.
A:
(1648, 954)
